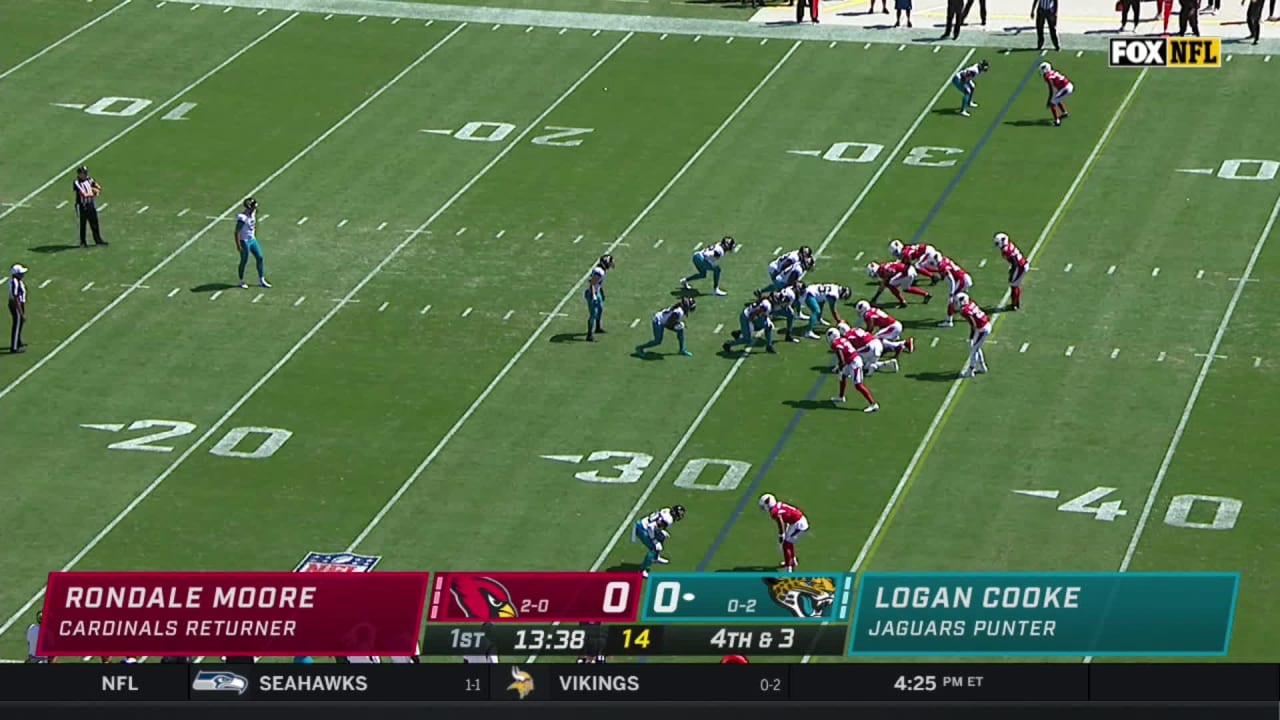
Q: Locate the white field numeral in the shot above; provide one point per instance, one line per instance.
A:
(865, 152)
(1224, 518)
(1107, 511)
(930, 156)
(484, 131)
(628, 472)
(735, 471)
(488, 131)
(560, 136)
(1249, 169)
(109, 106)
(271, 439)
(841, 152)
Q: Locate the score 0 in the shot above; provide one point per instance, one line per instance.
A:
(668, 594)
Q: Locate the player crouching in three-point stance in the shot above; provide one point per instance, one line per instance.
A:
(707, 260)
(653, 530)
(850, 367)
(895, 277)
(885, 327)
(966, 82)
(958, 281)
(1060, 88)
(594, 295)
(979, 331)
(1018, 266)
(670, 319)
(791, 525)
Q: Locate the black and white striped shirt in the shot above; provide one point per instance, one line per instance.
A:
(17, 291)
(84, 192)
(1046, 5)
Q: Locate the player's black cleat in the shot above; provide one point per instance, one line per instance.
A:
(725, 347)
(902, 305)
(770, 349)
(927, 298)
(591, 338)
(736, 334)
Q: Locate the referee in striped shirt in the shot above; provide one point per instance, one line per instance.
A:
(87, 190)
(17, 307)
(33, 642)
(1045, 12)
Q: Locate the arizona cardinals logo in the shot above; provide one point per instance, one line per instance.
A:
(482, 597)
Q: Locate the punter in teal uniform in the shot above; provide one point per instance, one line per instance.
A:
(247, 241)
(594, 295)
(652, 531)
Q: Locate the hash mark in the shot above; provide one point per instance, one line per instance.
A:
(264, 217)
(1229, 57)
(183, 211)
(1160, 357)
(342, 223)
(1079, 53)
(45, 283)
(158, 5)
(1111, 270)
(664, 36)
(538, 236)
(509, 314)
(145, 207)
(258, 297)
(635, 322)
(460, 231)
(1205, 355)
(195, 7)
(982, 263)
(936, 48)
(858, 257)
(215, 295)
(429, 23)
(529, 29)
(172, 292)
(935, 342)
(719, 328)
(1266, 59)
(382, 226)
(577, 240)
(729, 40)
(698, 246)
(777, 250)
(303, 220)
(764, 41)
(901, 48)
(657, 244)
(1068, 267)
(867, 46)
(1155, 272)
(424, 310)
(227, 10)
(298, 302)
(86, 287)
(383, 306)
(595, 33)
(262, 11)
(393, 22)
(363, 18)
(1199, 274)
(329, 16)
(466, 312)
(1115, 353)
(500, 234)
(1257, 362)
(563, 31)
(103, 206)
(696, 38)
(61, 205)
(1024, 347)
(1236, 279)
(1070, 349)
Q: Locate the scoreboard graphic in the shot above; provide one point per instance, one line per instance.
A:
(748, 597)
(526, 597)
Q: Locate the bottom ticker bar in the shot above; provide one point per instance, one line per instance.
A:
(630, 683)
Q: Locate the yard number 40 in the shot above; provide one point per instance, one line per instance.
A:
(1226, 513)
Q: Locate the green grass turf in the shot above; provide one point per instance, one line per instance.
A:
(374, 389)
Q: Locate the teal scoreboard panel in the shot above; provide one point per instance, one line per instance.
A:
(740, 613)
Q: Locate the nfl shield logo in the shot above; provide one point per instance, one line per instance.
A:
(337, 562)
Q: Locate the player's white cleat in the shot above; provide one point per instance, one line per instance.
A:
(662, 561)
(720, 292)
(964, 113)
(243, 285)
(644, 573)
(981, 369)
(967, 374)
(802, 316)
(824, 323)
(812, 336)
(871, 408)
(973, 104)
(684, 285)
(945, 324)
(263, 282)
(889, 365)
(837, 399)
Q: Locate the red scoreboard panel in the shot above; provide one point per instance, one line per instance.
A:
(526, 597)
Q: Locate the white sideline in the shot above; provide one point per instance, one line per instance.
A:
(57, 43)
(279, 364)
(955, 386)
(559, 306)
(129, 291)
(715, 396)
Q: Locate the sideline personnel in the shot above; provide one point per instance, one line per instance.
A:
(87, 190)
(18, 311)
(33, 642)
(1045, 12)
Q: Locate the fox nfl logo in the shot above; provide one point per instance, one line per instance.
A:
(1174, 52)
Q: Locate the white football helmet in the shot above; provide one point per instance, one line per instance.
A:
(863, 307)
(933, 257)
(895, 248)
(1045, 68)
(843, 327)
(961, 299)
(1002, 241)
(832, 335)
(873, 269)
(767, 501)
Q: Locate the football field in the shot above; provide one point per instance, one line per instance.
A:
(433, 193)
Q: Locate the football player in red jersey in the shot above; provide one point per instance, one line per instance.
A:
(1060, 88)
(791, 525)
(915, 255)
(979, 331)
(1018, 266)
(895, 277)
(849, 364)
(958, 281)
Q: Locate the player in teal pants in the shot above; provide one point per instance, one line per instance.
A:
(754, 318)
(247, 241)
(594, 295)
(672, 319)
(651, 531)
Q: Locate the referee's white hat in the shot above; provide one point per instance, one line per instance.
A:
(18, 270)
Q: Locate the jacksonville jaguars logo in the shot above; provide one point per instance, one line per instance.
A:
(804, 597)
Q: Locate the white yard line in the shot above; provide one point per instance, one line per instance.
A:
(573, 292)
(1195, 394)
(288, 355)
(950, 398)
(57, 43)
(625, 525)
(213, 223)
(158, 108)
